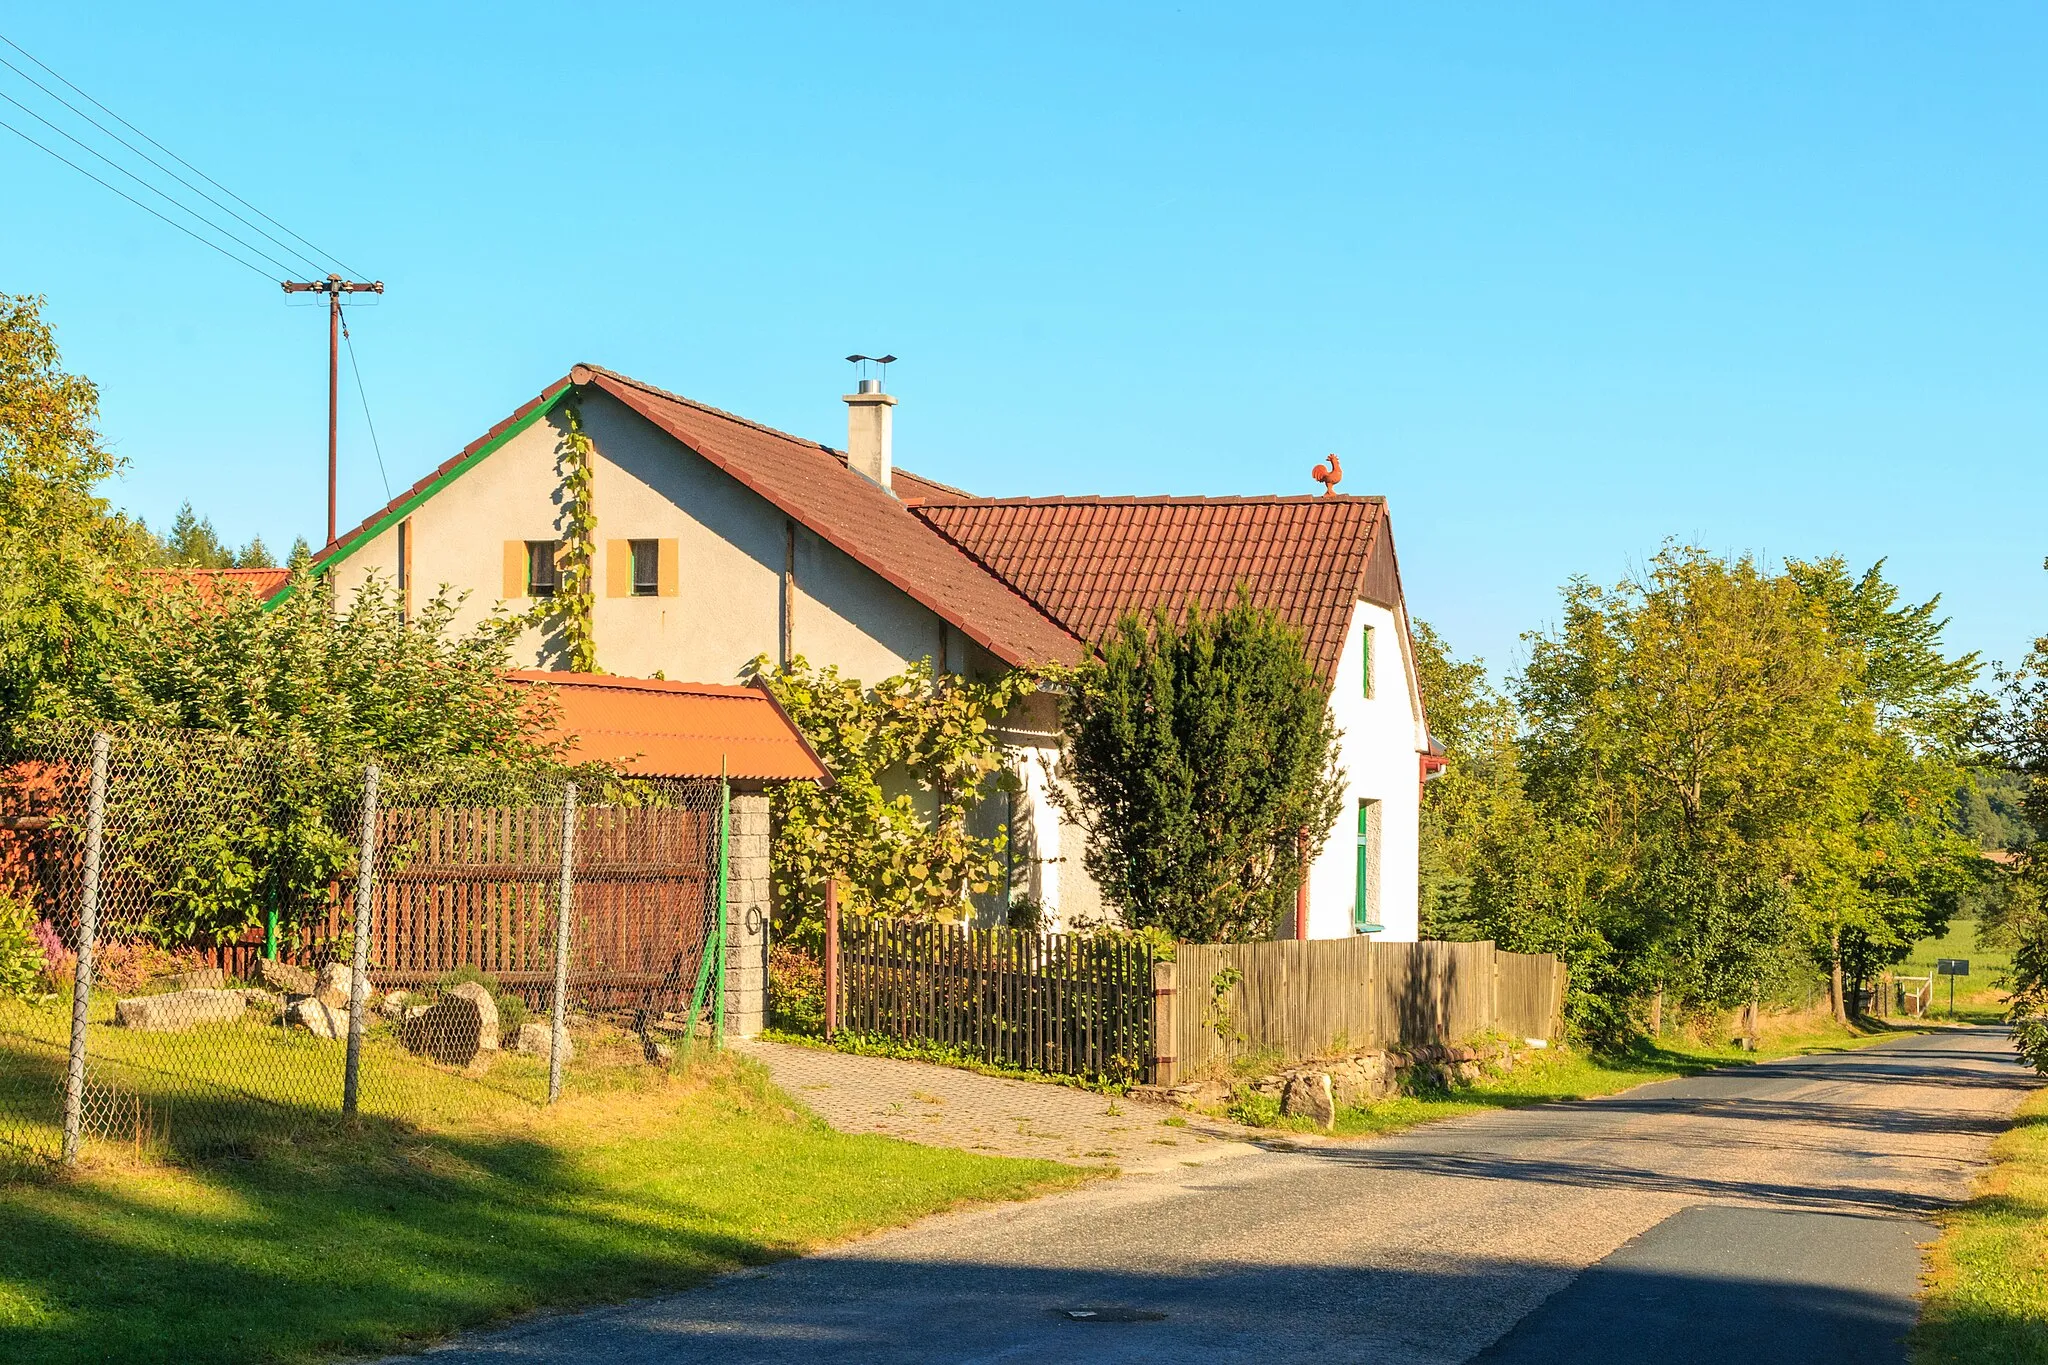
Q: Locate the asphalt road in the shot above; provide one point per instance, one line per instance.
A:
(1768, 1214)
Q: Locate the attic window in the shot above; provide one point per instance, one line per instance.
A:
(1368, 632)
(543, 571)
(646, 567)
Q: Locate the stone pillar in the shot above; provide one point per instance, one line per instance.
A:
(747, 909)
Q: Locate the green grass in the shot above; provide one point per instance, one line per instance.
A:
(1978, 999)
(1987, 1288)
(311, 1239)
(1567, 1074)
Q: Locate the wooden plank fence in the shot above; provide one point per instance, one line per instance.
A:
(1102, 1006)
(476, 887)
(1059, 1003)
(1319, 997)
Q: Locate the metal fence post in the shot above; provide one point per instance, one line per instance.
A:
(359, 973)
(558, 1036)
(88, 932)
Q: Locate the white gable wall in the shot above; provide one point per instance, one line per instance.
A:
(731, 554)
(1379, 750)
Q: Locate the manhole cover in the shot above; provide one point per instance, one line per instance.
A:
(1108, 1315)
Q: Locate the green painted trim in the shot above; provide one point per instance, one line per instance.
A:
(411, 503)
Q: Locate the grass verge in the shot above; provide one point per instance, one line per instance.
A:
(1566, 1074)
(356, 1242)
(1987, 1284)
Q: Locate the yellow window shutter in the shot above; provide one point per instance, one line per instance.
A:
(669, 570)
(515, 569)
(618, 568)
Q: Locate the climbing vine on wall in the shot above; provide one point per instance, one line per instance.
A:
(911, 757)
(570, 609)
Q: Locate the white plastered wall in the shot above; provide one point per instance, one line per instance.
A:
(1382, 738)
(732, 547)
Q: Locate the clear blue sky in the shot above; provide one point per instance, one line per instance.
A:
(1560, 281)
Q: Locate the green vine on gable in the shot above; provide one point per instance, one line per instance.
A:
(570, 609)
(911, 758)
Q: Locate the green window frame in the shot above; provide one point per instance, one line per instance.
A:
(1368, 662)
(1365, 906)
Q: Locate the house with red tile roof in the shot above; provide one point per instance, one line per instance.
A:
(720, 541)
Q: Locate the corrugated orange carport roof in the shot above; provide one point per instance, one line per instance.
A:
(648, 727)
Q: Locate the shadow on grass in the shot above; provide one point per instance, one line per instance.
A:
(324, 1237)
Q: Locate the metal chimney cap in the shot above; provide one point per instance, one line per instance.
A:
(870, 386)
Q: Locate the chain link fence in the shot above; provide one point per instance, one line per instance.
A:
(240, 942)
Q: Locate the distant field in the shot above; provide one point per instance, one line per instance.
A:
(1987, 968)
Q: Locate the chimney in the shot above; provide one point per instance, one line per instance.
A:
(867, 431)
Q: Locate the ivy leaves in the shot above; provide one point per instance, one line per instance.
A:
(912, 757)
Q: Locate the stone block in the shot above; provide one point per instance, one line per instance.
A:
(317, 1018)
(282, 976)
(458, 1029)
(202, 979)
(178, 1010)
(1308, 1096)
(536, 1037)
(333, 985)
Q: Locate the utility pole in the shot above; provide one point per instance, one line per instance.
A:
(334, 286)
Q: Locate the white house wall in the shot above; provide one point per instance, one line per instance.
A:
(1379, 755)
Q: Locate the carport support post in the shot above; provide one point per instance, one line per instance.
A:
(359, 968)
(88, 932)
(565, 892)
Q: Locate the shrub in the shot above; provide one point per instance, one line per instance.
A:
(21, 951)
(1203, 755)
(59, 963)
(796, 989)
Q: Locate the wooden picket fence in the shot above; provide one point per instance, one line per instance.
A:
(1107, 1007)
(1058, 1003)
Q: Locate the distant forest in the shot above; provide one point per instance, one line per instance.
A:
(1992, 813)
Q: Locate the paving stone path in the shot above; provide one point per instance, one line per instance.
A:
(946, 1107)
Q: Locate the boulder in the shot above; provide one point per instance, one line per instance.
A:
(457, 1029)
(317, 1018)
(257, 998)
(1363, 1079)
(392, 1006)
(178, 1010)
(333, 985)
(537, 1037)
(202, 979)
(282, 976)
(1308, 1096)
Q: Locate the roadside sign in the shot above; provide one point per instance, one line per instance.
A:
(1952, 966)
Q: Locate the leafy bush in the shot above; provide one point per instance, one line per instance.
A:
(1204, 756)
(796, 990)
(512, 1011)
(21, 952)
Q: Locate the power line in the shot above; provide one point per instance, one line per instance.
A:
(250, 246)
(368, 421)
(133, 200)
(328, 255)
(286, 246)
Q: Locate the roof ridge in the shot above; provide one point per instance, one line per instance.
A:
(1167, 500)
(689, 402)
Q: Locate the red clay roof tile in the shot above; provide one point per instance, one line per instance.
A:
(1088, 561)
